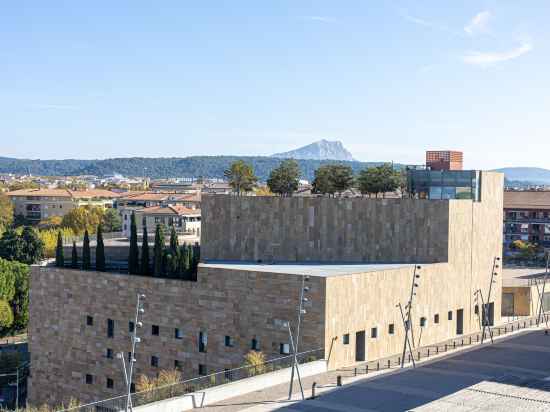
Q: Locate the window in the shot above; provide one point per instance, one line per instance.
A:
(202, 369)
(422, 322)
(255, 344)
(284, 348)
(129, 356)
(450, 315)
(346, 339)
(476, 309)
(203, 339)
(110, 383)
(154, 361)
(155, 330)
(374, 332)
(436, 318)
(177, 364)
(391, 329)
(228, 341)
(109, 353)
(89, 379)
(133, 387)
(89, 320)
(178, 334)
(110, 328)
(131, 327)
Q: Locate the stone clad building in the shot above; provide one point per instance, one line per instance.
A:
(358, 256)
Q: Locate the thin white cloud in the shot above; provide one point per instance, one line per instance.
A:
(322, 19)
(429, 24)
(477, 58)
(479, 23)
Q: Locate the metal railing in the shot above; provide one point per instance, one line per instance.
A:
(197, 384)
(69, 239)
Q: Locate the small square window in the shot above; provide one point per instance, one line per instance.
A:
(178, 334)
(109, 353)
(476, 309)
(177, 364)
(436, 318)
(131, 327)
(228, 341)
(255, 344)
(374, 332)
(110, 383)
(155, 330)
(202, 369)
(450, 315)
(346, 339)
(154, 361)
(133, 387)
(422, 321)
(89, 320)
(203, 340)
(110, 328)
(391, 329)
(284, 348)
(89, 379)
(129, 356)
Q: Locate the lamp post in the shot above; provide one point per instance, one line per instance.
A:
(301, 311)
(407, 323)
(134, 339)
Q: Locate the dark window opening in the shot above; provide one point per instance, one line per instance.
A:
(374, 333)
(155, 330)
(436, 318)
(110, 328)
(345, 339)
(110, 383)
(89, 320)
(89, 379)
(450, 315)
(202, 369)
(391, 329)
(154, 361)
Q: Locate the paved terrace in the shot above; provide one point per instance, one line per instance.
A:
(513, 374)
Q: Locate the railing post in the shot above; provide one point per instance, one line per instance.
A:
(339, 380)
(377, 366)
(389, 364)
(313, 386)
(367, 369)
(354, 371)
(428, 353)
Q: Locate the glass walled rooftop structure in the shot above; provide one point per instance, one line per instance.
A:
(444, 184)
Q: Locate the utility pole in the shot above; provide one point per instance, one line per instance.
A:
(406, 337)
(301, 311)
(408, 307)
(486, 306)
(541, 294)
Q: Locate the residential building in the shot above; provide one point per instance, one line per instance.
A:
(444, 160)
(184, 220)
(149, 199)
(357, 257)
(38, 204)
(527, 217)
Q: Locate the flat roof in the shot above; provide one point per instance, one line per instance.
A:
(517, 276)
(311, 269)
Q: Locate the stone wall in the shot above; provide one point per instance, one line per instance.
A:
(243, 305)
(322, 229)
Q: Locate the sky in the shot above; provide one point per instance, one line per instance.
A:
(390, 79)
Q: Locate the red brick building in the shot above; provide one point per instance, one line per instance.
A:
(444, 160)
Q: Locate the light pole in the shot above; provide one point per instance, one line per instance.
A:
(134, 340)
(407, 323)
(301, 311)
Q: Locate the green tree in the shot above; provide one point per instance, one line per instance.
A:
(6, 212)
(341, 177)
(181, 262)
(11, 245)
(100, 250)
(83, 218)
(26, 247)
(112, 222)
(133, 255)
(6, 317)
(173, 241)
(59, 258)
(284, 179)
(158, 252)
(74, 257)
(323, 182)
(20, 301)
(145, 253)
(379, 179)
(241, 177)
(86, 253)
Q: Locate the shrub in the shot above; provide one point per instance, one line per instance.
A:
(255, 361)
(6, 317)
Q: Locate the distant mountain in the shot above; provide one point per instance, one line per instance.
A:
(321, 150)
(533, 175)
(162, 167)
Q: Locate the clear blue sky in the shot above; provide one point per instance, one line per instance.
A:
(389, 79)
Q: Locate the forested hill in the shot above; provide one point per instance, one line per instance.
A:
(194, 166)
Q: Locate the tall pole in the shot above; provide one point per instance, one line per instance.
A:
(408, 307)
(486, 310)
(301, 311)
(295, 362)
(134, 339)
(17, 390)
(406, 337)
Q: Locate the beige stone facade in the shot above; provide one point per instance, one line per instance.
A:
(359, 255)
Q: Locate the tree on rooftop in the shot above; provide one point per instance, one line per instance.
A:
(158, 251)
(86, 254)
(100, 250)
(145, 253)
(74, 257)
(133, 255)
(241, 177)
(284, 179)
(59, 258)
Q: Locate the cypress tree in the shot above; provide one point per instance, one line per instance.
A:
(173, 242)
(158, 252)
(59, 258)
(195, 261)
(86, 258)
(180, 264)
(187, 262)
(100, 250)
(145, 253)
(74, 257)
(133, 256)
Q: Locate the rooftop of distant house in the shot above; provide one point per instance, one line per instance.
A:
(311, 269)
(527, 199)
(173, 210)
(73, 194)
(160, 196)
